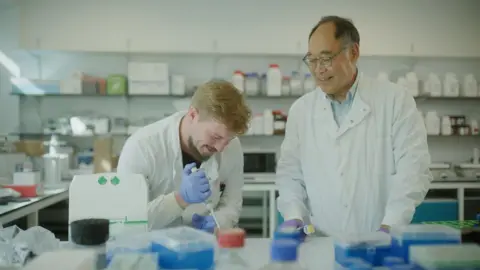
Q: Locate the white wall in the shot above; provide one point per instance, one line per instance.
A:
(432, 27)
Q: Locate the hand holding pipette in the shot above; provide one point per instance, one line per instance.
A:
(209, 206)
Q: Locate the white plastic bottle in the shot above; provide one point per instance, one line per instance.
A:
(451, 85)
(231, 243)
(283, 255)
(268, 120)
(446, 126)
(433, 86)
(274, 81)
(238, 80)
(432, 122)
(470, 86)
(474, 127)
(296, 85)
(412, 82)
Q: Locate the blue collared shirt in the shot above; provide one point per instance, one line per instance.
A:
(341, 109)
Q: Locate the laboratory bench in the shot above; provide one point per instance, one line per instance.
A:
(456, 200)
(452, 200)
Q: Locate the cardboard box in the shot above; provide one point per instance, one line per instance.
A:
(102, 155)
(33, 148)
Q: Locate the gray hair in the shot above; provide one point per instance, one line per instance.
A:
(345, 30)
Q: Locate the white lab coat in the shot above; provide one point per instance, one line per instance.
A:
(372, 170)
(154, 151)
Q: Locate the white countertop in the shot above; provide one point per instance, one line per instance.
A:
(269, 178)
(316, 253)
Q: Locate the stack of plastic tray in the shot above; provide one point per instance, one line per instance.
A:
(184, 248)
(371, 248)
(455, 223)
(446, 257)
(416, 234)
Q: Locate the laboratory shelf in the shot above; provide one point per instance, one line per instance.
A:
(419, 98)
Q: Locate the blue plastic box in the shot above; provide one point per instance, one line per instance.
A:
(370, 247)
(419, 234)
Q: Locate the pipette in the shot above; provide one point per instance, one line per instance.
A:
(208, 205)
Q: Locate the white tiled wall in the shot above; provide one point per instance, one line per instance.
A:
(56, 65)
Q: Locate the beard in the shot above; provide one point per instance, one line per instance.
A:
(195, 152)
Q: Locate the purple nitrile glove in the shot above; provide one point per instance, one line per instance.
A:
(385, 230)
(194, 187)
(295, 223)
(204, 223)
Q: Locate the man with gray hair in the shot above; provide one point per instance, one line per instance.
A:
(355, 157)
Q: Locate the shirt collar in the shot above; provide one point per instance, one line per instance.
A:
(351, 91)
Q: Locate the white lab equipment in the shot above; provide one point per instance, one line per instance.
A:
(257, 124)
(274, 81)
(474, 128)
(231, 243)
(308, 83)
(268, 120)
(451, 85)
(402, 81)
(433, 85)
(412, 82)
(252, 84)
(184, 248)
(178, 85)
(470, 86)
(238, 80)
(127, 243)
(438, 257)
(64, 259)
(446, 127)
(476, 156)
(432, 122)
(383, 76)
(405, 237)
(286, 91)
(120, 198)
(296, 86)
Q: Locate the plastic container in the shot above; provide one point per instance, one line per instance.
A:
(268, 120)
(470, 88)
(412, 82)
(355, 263)
(432, 122)
(370, 247)
(417, 234)
(433, 86)
(466, 256)
(184, 248)
(291, 233)
(231, 243)
(252, 84)
(391, 261)
(238, 80)
(286, 91)
(274, 81)
(139, 243)
(283, 255)
(446, 126)
(296, 86)
(451, 85)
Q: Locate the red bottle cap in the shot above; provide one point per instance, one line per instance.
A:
(274, 65)
(231, 238)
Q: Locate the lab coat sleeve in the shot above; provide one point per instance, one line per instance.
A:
(289, 177)
(135, 159)
(411, 180)
(230, 204)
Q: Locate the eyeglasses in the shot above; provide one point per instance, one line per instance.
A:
(326, 62)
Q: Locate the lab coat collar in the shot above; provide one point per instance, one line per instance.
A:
(359, 110)
(210, 166)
